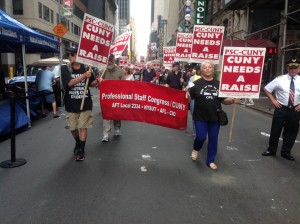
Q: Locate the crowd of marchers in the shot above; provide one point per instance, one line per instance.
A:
(202, 89)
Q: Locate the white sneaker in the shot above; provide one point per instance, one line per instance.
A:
(249, 104)
(118, 133)
(105, 138)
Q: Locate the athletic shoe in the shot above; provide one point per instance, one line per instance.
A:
(80, 155)
(118, 133)
(105, 138)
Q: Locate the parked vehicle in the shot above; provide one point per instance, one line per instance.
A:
(18, 82)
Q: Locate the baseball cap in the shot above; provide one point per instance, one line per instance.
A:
(175, 64)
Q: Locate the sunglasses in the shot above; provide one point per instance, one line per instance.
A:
(71, 54)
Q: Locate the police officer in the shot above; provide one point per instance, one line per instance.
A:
(286, 99)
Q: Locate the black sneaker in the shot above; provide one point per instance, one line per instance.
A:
(80, 155)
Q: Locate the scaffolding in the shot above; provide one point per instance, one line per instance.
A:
(283, 48)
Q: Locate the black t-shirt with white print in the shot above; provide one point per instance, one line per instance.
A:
(74, 94)
(205, 93)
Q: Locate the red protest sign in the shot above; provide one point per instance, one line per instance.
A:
(143, 102)
(169, 55)
(138, 65)
(241, 72)
(95, 41)
(120, 44)
(207, 43)
(156, 64)
(123, 61)
(183, 47)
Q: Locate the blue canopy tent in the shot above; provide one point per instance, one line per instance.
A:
(17, 37)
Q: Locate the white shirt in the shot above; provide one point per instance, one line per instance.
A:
(281, 88)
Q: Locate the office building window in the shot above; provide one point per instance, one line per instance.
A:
(40, 10)
(76, 30)
(18, 7)
(51, 16)
(46, 12)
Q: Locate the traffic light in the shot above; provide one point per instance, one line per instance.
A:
(272, 50)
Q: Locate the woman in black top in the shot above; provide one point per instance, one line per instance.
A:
(205, 93)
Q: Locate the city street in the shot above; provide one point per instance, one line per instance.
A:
(146, 176)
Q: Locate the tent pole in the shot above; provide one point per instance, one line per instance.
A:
(26, 85)
(60, 62)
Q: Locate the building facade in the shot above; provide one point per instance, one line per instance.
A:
(123, 15)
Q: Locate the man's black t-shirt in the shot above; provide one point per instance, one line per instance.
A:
(205, 93)
(173, 80)
(74, 94)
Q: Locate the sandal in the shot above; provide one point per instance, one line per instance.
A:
(56, 116)
(194, 155)
(213, 166)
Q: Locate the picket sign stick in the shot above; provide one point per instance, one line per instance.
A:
(232, 123)
(85, 89)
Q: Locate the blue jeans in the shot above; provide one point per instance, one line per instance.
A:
(210, 129)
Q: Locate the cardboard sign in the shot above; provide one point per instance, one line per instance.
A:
(120, 44)
(143, 102)
(241, 72)
(183, 47)
(169, 55)
(207, 43)
(95, 41)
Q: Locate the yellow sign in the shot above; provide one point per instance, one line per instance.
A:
(60, 30)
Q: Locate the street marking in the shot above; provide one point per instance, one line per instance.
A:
(147, 157)
(252, 160)
(143, 169)
(268, 135)
(232, 148)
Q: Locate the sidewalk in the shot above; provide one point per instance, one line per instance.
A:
(262, 104)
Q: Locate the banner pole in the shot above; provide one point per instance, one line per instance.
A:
(232, 123)
(85, 89)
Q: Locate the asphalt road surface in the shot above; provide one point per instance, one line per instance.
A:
(146, 176)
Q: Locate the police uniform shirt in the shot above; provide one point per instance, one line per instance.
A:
(281, 88)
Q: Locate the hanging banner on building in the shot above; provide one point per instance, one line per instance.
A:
(169, 55)
(241, 72)
(95, 41)
(207, 43)
(143, 102)
(67, 8)
(123, 61)
(183, 47)
(200, 12)
(120, 44)
(162, 36)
